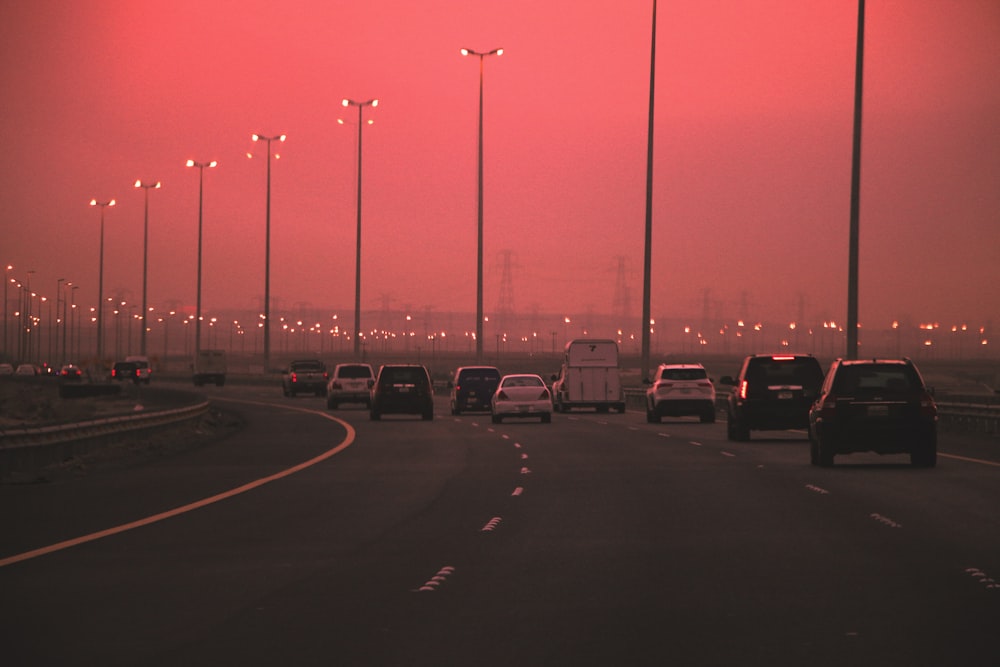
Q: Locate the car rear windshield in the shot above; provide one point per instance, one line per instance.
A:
(354, 372)
(681, 374)
(307, 366)
(875, 378)
(403, 376)
(795, 372)
(524, 381)
(479, 375)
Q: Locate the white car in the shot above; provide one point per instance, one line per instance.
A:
(680, 390)
(350, 383)
(521, 396)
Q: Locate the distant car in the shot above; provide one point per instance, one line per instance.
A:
(472, 388)
(521, 396)
(70, 373)
(125, 370)
(772, 392)
(402, 389)
(350, 383)
(6, 370)
(680, 390)
(26, 370)
(304, 376)
(143, 371)
(877, 405)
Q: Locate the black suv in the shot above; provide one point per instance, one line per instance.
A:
(874, 405)
(473, 387)
(402, 388)
(772, 392)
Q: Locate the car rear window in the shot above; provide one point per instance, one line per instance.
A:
(523, 382)
(403, 376)
(354, 372)
(796, 372)
(681, 374)
(870, 377)
(479, 375)
(306, 366)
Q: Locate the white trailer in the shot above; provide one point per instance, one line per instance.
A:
(590, 377)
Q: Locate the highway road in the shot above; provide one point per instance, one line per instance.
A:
(315, 537)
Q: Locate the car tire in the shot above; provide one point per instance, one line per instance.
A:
(925, 456)
(428, 416)
(330, 404)
(547, 418)
(496, 419)
(824, 455)
(708, 416)
(375, 415)
(652, 417)
(736, 430)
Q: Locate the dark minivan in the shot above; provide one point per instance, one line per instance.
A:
(472, 388)
(403, 389)
(772, 392)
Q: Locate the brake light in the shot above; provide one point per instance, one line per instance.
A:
(743, 389)
(295, 377)
(782, 358)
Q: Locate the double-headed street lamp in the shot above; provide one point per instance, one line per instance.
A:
(145, 257)
(201, 182)
(357, 259)
(100, 282)
(479, 227)
(267, 250)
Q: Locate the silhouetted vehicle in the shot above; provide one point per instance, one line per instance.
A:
(402, 389)
(26, 370)
(304, 376)
(209, 367)
(772, 392)
(125, 370)
(6, 370)
(472, 388)
(143, 371)
(874, 405)
(350, 383)
(680, 390)
(70, 373)
(521, 395)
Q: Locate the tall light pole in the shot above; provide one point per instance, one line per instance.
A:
(56, 322)
(6, 309)
(100, 282)
(357, 258)
(201, 189)
(145, 257)
(647, 261)
(267, 250)
(479, 217)
(854, 233)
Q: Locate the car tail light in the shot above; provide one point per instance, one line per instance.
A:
(295, 377)
(743, 389)
(326, 376)
(782, 358)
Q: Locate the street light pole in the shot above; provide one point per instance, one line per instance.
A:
(357, 258)
(145, 257)
(55, 322)
(647, 262)
(267, 250)
(201, 181)
(479, 217)
(6, 310)
(100, 283)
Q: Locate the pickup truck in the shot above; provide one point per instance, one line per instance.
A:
(304, 375)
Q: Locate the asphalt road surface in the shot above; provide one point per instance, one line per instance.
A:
(313, 537)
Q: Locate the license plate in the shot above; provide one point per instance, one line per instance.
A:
(878, 410)
(785, 395)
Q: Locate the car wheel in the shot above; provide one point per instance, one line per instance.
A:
(331, 404)
(428, 415)
(374, 415)
(925, 456)
(652, 417)
(736, 430)
(708, 416)
(824, 454)
(547, 418)
(497, 419)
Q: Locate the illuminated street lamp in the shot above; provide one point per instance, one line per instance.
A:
(100, 282)
(267, 249)
(201, 179)
(357, 259)
(145, 256)
(479, 218)
(6, 308)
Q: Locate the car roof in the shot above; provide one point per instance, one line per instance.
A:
(681, 366)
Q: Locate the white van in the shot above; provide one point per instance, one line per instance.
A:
(590, 377)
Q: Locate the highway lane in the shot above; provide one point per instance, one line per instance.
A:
(596, 539)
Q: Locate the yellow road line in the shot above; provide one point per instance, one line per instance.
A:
(83, 539)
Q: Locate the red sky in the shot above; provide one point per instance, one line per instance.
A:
(752, 152)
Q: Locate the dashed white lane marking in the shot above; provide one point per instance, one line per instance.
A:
(250, 486)
(491, 525)
(817, 489)
(663, 435)
(729, 454)
(695, 443)
(505, 436)
(885, 520)
(438, 579)
(524, 457)
(518, 491)
(983, 578)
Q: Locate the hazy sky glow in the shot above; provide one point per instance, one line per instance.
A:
(752, 152)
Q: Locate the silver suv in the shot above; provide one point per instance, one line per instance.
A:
(679, 390)
(350, 383)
